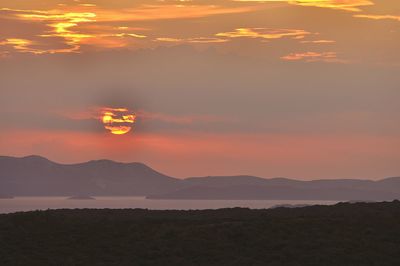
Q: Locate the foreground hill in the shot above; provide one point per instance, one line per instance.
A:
(343, 234)
(38, 176)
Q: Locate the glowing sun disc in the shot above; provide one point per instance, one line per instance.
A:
(118, 121)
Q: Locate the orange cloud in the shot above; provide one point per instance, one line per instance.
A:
(72, 23)
(346, 5)
(264, 33)
(378, 17)
(319, 41)
(178, 119)
(98, 113)
(29, 46)
(61, 24)
(160, 12)
(192, 40)
(21, 45)
(313, 57)
(77, 14)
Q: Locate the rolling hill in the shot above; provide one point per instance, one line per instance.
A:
(38, 176)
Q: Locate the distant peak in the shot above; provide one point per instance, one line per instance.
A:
(281, 179)
(393, 178)
(35, 157)
(108, 162)
(102, 161)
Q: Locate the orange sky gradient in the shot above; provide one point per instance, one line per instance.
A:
(303, 89)
(182, 154)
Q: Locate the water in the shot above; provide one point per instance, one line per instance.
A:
(43, 203)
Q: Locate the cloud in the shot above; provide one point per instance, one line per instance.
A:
(161, 12)
(22, 45)
(145, 121)
(180, 119)
(192, 40)
(93, 25)
(32, 46)
(319, 41)
(60, 25)
(252, 33)
(346, 5)
(378, 17)
(330, 57)
(264, 33)
(78, 14)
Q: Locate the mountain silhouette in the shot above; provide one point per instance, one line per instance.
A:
(38, 176)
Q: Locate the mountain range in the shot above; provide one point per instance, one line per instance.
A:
(38, 176)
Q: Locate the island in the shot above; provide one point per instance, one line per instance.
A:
(81, 197)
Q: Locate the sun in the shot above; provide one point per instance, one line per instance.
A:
(118, 121)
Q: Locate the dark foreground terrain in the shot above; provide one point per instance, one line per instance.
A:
(344, 234)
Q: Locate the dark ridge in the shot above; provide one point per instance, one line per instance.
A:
(343, 234)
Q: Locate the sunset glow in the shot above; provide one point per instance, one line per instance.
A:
(118, 121)
(152, 107)
(227, 86)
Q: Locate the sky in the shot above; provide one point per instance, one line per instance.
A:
(305, 89)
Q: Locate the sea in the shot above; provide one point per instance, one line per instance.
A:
(23, 204)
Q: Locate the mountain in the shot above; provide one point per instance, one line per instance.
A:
(38, 176)
(251, 192)
(251, 187)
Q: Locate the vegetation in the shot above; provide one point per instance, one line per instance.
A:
(344, 234)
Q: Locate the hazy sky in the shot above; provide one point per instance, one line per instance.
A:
(303, 89)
